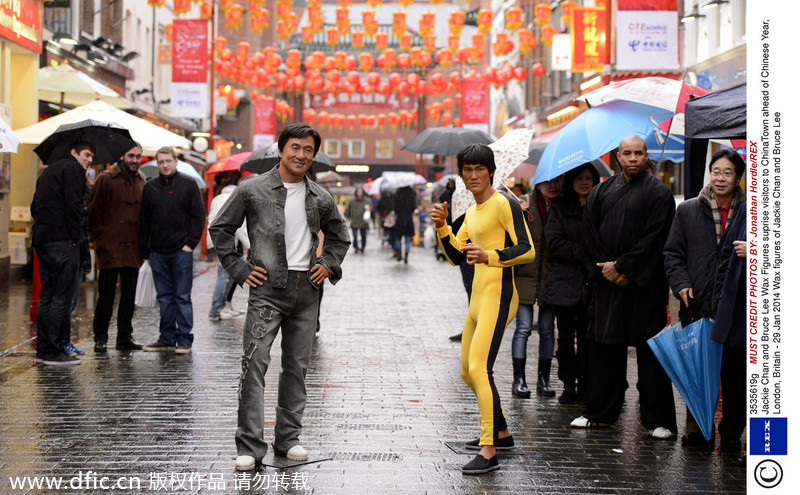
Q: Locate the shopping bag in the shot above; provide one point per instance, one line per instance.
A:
(367, 216)
(693, 361)
(145, 287)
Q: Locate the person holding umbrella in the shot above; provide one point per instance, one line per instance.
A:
(58, 229)
(691, 257)
(627, 220)
(494, 237)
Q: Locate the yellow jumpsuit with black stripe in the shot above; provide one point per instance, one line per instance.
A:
(498, 226)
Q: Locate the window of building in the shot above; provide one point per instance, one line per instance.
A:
(383, 148)
(355, 148)
(332, 148)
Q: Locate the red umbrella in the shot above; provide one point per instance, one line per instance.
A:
(228, 164)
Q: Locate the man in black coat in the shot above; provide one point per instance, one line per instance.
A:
(691, 258)
(627, 220)
(171, 222)
(58, 229)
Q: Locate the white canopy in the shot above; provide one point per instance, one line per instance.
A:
(150, 136)
(63, 84)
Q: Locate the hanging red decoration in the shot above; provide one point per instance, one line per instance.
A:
(181, 6)
(233, 16)
(513, 18)
(429, 42)
(373, 78)
(343, 20)
(527, 42)
(547, 34)
(357, 39)
(206, 10)
(332, 36)
(365, 61)
(427, 22)
(404, 61)
(444, 57)
(374, 3)
(520, 74)
(542, 11)
(381, 41)
(368, 22)
(405, 41)
(538, 69)
(566, 10)
(306, 34)
(456, 21)
(484, 20)
(398, 22)
(156, 3)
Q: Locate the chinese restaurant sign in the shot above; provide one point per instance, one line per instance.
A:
(588, 39)
(190, 96)
(21, 22)
(647, 40)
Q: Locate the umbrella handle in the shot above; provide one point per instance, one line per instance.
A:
(509, 191)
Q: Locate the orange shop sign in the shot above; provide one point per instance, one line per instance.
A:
(21, 22)
(589, 38)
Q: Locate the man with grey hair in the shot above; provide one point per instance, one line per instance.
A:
(171, 223)
(627, 220)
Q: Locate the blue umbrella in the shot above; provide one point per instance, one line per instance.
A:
(655, 142)
(596, 131)
(692, 361)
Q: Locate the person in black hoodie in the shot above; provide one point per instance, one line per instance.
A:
(171, 222)
(58, 230)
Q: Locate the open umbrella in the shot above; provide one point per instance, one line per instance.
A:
(110, 141)
(150, 136)
(396, 180)
(150, 170)
(63, 84)
(8, 140)
(661, 92)
(228, 164)
(445, 141)
(266, 158)
(692, 361)
(330, 177)
(374, 188)
(596, 131)
(509, 151)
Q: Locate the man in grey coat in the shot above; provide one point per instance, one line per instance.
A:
(284, 212)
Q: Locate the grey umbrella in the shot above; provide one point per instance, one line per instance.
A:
(266, 158)
(110, 141)
(445, 141)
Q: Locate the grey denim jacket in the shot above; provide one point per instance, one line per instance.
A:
(261, 202)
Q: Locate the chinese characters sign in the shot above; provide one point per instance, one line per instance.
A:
(588, 39)
(190, 98)
(475, 94)
(647, 40)
(21, 22)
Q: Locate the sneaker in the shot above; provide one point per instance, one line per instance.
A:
(71, 350)
(506, 443)
(158, 346)
(584, 422)
(297, 453)
(662, 433)
(59, 360)
(183, 349)
(213, 317)
(227, 313)
(480, 465)
(245, 463)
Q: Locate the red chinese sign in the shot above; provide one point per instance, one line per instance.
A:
(588, 39)
(475, 101)
(21, 22)
(190, 50)
(264, 116)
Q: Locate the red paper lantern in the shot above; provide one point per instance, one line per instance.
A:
(395, 78)
(456, 21)
(538, 70)
(373, 78)
(405, 41)
(322, 117)
(485, 20)
(398, 22)
(513, 18)
(358, 39)
(334, 76)
(520, 74)
(427, 22)
(343, 20)
(448, 104)
(542, 13)
(383, 88)
(369, 22)
(381, 40)
(444, 57)
(527, 42)
(404, 60)
(353, 77)
(329, 63)
(566, 10)
(365, 61)
(403, 88)
(547, 34)
(381, 120)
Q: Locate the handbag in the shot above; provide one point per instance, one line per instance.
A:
(390, 220)
(145, 287)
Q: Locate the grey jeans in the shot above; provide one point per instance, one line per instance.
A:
(294, 311)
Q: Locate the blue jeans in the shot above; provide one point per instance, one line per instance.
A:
(58, 264)
(363, 238)
(221, 290)
(172, 275)
(546, 328)
(293, 310)
(398, 241)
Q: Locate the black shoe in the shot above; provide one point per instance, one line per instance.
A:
(60, 359)
(730, 444)
(456, 338)
(697, 440)
(506, 443)
(129, 345)
(519, 387)
(543, 381)
(568, 396)
(480, 465)
(100, 347)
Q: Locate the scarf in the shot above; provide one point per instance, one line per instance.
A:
(707, 196)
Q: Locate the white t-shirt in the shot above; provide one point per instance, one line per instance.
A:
(297, 232)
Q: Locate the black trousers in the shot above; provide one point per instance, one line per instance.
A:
(106, 291)
(572, 360)
(607, 382)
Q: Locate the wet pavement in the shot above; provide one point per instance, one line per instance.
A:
(384, 391)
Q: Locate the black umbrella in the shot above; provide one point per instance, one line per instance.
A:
(536, 149)
(445, 141)
(110, 141)
(266, 158)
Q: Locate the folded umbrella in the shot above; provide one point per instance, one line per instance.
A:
(110, 141)
(693, 362)
(266, 158)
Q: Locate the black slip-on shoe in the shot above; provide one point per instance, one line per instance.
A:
(100, 347)
(480, 465)
(506, 443)
(129, 345)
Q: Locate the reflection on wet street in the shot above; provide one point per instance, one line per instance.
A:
(384, 395)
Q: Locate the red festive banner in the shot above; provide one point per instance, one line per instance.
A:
(21, 22)
(189, 50)
(264, 116)
(588, 39)
(475, 101)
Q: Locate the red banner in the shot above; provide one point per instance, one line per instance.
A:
(647, 4)
(588, 39)
(475, 101)
(189, 50)
(21, 22)
(264, 116)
